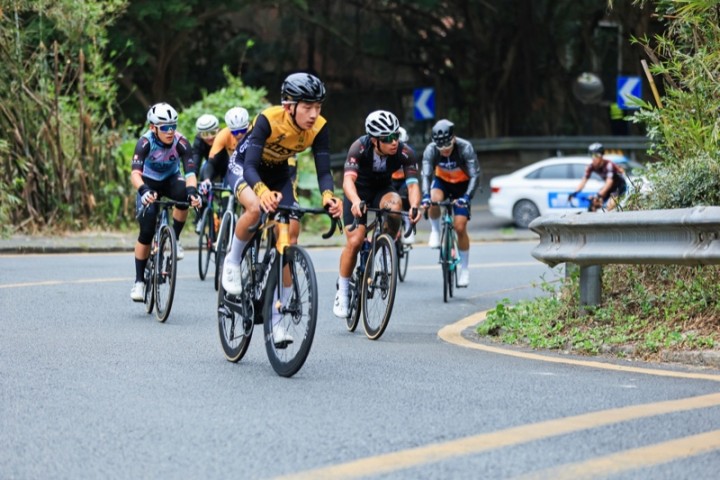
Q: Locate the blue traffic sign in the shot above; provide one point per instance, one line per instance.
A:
(424, 102)
(627, 89)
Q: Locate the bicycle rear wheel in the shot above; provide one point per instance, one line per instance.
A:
(379, 285)
(149, 278)
(205, 242)
(165, 273)
(453, 262)
(298, 315)
(222, 245)
(403, 254)
(236, 314)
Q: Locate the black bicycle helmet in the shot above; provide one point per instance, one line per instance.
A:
(443, 132)
(596, 148)
(302, 87)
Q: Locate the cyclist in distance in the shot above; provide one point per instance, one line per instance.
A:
(156, 172)
(261, 162)
(237, 120)
(370, 163)
(615, 185)
(454, 165)
(398, 183)
(207, 127)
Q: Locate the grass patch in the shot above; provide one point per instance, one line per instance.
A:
(646, 309)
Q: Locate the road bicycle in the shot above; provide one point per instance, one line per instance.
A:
(209, 227)
(161, 268)
(374, 281)
(264, 279)
(449, 252)
(225, 234)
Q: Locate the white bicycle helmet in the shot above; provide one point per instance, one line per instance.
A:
(237, 118)
(381, 123)
(207, 123)
(162, 114)
(403, 135)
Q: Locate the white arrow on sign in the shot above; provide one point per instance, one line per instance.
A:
(421, 103)
(627, 89)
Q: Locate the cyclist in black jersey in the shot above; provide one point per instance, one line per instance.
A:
(615, 185)
(370, 163)
(156, 172)
(453, 163)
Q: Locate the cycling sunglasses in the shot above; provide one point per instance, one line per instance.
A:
(210, 134)
(167, 128)
(238, 132)
(390, 138)
(443, 143)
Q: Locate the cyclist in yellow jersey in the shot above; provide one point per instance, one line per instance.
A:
(237, 121)
(261, 162)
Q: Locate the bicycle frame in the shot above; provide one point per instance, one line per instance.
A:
(449, 256)
(265, 295)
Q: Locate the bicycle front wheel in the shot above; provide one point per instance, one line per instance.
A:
(354, 318)
(379, 285)
(403, 252)
(165, 273)
(205, 242)
(296, 317)
(223, 244)
(236, 314)
(445, 260)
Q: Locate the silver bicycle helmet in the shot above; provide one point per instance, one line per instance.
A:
(162, 114)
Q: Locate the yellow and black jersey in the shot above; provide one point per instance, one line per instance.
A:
(275, 139)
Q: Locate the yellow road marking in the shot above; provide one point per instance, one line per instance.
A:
(642, 457)
(453, 334)
(414, 457)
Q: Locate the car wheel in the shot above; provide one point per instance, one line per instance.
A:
(525, 212)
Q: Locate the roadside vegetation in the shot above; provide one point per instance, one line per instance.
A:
(649, 309)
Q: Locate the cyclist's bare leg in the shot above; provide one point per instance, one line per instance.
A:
(180, 215)
(460, 224)
(436, 195)
(392, 201)
(142, 252)
(612, 203)
(250, 215)
(348, 257)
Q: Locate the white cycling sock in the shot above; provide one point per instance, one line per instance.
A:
(344, 284)
(464, 258)
(234, 256)
(435, 224)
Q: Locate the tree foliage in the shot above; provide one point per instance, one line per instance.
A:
(57, 100)
(685, 127)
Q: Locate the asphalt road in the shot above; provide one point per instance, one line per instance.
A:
(92, 387)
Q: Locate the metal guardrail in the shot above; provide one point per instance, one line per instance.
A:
(557, 145)
(686, 236)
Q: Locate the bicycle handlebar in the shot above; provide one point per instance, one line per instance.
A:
(364, 207)
(161, 203)
(335, 223)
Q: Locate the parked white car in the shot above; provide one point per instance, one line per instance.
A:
(544, 187)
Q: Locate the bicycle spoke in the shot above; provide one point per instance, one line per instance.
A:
(379, 288)
(297, 314)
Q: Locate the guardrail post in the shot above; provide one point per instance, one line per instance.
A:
(590, 285)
